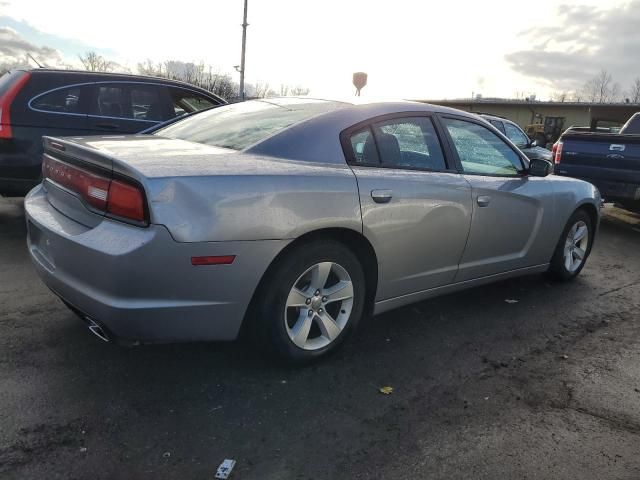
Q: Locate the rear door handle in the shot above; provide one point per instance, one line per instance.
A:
(107, 126)
(381, 196)
(483, 200)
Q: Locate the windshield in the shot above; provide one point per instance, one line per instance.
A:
(241, 125)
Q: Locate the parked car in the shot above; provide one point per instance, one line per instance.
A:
(609, 161)
(514, 133)
(292, 218)
(41, 102)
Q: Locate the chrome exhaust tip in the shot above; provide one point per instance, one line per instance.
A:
(97, 330)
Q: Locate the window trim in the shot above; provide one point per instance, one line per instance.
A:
(347, 150)
(523, 162)
(93, 84)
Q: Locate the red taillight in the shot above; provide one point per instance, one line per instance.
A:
(556, 151)
(126, 200)
(119, 198)
(5, 105)
(93, 188)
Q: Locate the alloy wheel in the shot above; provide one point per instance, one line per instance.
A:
(575, 247)
(319, 306)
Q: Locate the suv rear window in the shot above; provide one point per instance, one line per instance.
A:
(241, 125)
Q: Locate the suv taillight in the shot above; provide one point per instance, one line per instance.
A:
(556, 151)
(5, 105)
(117, 198)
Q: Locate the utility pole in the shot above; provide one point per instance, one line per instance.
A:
(244, 47)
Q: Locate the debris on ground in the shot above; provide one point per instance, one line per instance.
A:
(510, 300)
(225, 468)
(83, 449)
(166, 454)
(386, 390)
(564, 357)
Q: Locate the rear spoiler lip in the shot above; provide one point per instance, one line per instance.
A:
(66, 149)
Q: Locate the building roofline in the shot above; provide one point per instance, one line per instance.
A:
(529, 103)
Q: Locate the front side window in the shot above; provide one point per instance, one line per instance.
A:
(480, 150)
(409, 142)
(185, 101)
(66, 100)
(516, 135)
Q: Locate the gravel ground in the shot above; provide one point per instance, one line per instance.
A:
(548, 387)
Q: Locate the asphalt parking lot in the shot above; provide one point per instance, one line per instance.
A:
(545, 387)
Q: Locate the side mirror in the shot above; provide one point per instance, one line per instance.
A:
(534, 143)
(540, 168)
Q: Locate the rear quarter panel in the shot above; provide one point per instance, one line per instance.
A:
(286, 201)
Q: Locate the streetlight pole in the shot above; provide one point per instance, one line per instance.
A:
(244, 47)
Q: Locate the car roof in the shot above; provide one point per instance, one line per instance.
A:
(381, 104)
(307, 139)
(122, 76)
(489, 116)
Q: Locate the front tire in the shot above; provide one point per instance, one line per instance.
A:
(311, 301)
(573, 248)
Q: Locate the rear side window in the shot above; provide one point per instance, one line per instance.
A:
(112, 101)
(65, 100)
(135, 102)
(184, 101)
(364, 147)
(409, 142)
(146, 104)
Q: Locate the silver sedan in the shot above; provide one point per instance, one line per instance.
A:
(291, 219)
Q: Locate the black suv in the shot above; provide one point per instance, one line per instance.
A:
(517, 136)
(41, 102)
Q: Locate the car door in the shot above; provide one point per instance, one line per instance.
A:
(127, 107)
(416, 211)
(512, 212)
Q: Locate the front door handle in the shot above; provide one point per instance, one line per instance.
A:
(381, 196)
(483, 200)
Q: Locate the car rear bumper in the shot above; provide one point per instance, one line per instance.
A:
(139, 283)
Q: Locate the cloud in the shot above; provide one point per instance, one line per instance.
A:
(14, 49)
(585, 41)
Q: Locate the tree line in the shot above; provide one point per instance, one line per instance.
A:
(198, 74)
(601, 88)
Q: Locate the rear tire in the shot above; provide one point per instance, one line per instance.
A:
(311, 302)
(573, 248)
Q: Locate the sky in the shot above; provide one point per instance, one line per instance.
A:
(409, 48)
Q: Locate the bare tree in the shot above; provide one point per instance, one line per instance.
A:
(261, 90)
(200, 75)
(634, 93)
(298, 90)
(601, 88)
(560, 96)
(96, 63)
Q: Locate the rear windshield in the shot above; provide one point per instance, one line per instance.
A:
(241, 125)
